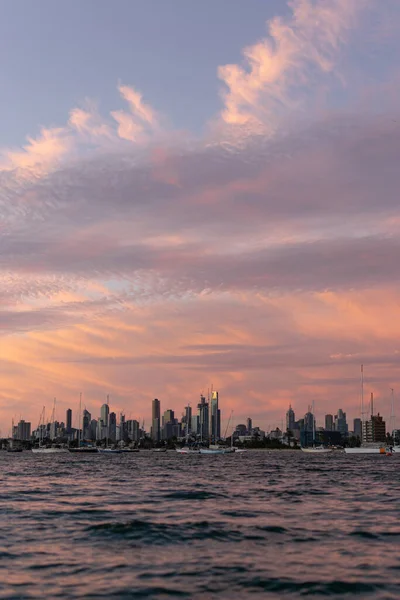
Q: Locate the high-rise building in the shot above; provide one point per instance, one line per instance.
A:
(195, 424)
(112, 426)
(290, 418)
(87, 417)
(22, 431)
(309, 420)
(104, 412)
(357, 428)
(188, 419)
(168, 421)
(249, 426)
(215, 418)
(68, 420)
(203, 412)
(132, 429)
(340, 423)
(329, 422)
(374, 430)
(155, 420)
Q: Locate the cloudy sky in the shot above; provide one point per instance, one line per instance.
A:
(197, 193)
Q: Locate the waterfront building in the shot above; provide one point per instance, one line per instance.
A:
(104, 412)
(357, 428)
(329, 422)
(290, 418)
(155, 420)
(195, 425)
(340, 423)
(132, 428)
(215, 418)
(87, 417)
(22, 431)
(204, 421)
(112, 426)
(68, 420)
(374, 430)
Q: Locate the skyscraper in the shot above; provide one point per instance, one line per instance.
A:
(188, 419)
(87, 417)
(155, 420)
(69, 420)
(329, 422)
(104, 412)
(290, 418)
(340, 423)
(112, 426)
(215, 418)
(249, 426)
(203, 412)
(357, 427)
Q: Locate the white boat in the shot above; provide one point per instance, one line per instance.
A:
(109, 450)
(48, 450)
(159, 449)
(215, 451)
(373, 450)
(317, 450)
(187, 450)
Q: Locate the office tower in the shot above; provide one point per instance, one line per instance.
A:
(155, 420)
(195, 425)
(132, 429)
(203, 414)
(309, 420)
(290, 418)
(104, 412)
(22, 431)
(69, 420)
(374, 430)
(168, 421)
(87, 417)
(112, 426)
(357, 428)
(92, 430)
(329, 422)
(249, 426)
(340, 423)
(188, 419)
(215, 429)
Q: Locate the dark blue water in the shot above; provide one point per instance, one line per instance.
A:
(257, 525)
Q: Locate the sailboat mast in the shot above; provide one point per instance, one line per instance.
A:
(79, 419)
(313, 421)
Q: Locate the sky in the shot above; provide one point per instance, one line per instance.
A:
(197, 194)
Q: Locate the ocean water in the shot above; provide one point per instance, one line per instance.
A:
(257, 525)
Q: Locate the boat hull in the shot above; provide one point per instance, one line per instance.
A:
(83, 450)
(49, 450)
(108, 451)
(361, 450)
(317, 450)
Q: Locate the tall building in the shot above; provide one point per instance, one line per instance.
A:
(188, 419)
(249, 426)
(329, 422)
(22, 431)
(374, 430)
(309, 420)
(215, 418)
(155, 420)
(132, 429)
(357, 428)
(168, 422)
(203, 412)
(104, 412)
(290, 418)
(195, 424)
(340, 423)
(87, 417)
(112, 426)
(68, 420)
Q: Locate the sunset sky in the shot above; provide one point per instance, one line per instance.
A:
(197, 193)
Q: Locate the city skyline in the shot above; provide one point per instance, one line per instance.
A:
(227, 213)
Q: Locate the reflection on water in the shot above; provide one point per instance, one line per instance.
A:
(259, 525)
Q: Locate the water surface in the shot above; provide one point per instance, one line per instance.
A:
(256, 525)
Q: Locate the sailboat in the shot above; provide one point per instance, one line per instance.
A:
(44, 448)
(315, 449)
(80, 449)
(108, 450)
